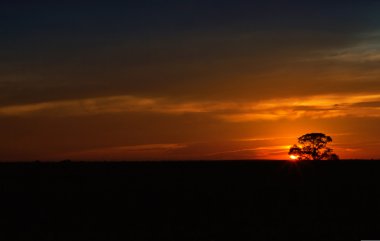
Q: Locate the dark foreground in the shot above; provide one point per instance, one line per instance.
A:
(190, 201)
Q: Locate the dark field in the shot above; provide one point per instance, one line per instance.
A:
(190, 201)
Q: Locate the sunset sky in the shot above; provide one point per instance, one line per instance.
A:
(187, 80)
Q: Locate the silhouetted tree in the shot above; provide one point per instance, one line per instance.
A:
(313, 146)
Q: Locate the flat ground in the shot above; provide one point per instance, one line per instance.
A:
(234, 200)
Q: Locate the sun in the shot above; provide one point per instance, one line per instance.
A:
(293, 157)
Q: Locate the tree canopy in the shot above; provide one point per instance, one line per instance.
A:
(313, 146)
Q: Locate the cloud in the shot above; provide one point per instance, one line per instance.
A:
(113, 104)
(371, 104)
(257, 139)
(131, 152)
(315, 107)
(196, 64)
(367, 49)
(259, 152)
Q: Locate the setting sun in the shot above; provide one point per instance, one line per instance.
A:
(293, 157)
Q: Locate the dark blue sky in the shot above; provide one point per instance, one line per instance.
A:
(129, 17)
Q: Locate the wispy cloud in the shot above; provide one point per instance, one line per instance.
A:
(114, 104)
(260, 152)
(147, 151)
(364, 53)
(366, 49)
(320, 106)
(256, 139)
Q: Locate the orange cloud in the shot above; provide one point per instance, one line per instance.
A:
(137, 152)
(320, 106)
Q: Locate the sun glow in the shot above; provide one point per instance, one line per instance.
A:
(293, 157)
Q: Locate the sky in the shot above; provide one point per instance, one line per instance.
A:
(187, 80)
